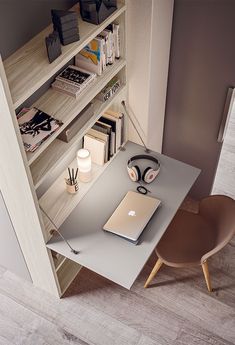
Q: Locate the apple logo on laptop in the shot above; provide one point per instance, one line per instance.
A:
(131, 213)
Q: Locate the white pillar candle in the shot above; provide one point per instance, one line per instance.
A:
(84, 165)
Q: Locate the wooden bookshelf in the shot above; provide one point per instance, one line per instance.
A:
(25, 72)
(50, 157)
(65, 108)
(66, 274)
(28, 68)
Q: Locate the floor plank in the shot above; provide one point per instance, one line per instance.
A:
(129, 308)
(80, 320)
(197, 306)
(146, 341)
(20, 326)
(175, 310)
(151, 311)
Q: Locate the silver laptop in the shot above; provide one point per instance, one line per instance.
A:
(132, 215)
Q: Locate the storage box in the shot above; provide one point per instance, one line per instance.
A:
(96, 12)
(109, 90)
(73, 128)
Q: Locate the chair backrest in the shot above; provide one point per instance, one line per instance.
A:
(219, 210)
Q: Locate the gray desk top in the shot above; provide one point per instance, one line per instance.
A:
(105, 253)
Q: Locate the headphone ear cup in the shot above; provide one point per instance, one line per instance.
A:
(137, 172)
(149, 175)
(145, 173)
(134, 173)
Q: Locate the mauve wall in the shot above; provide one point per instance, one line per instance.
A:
(20, 20)
(202, 67)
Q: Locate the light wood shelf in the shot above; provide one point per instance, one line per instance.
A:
(66, 273)
(57, 150)
(58, 204)
(28, 68)
(65, 108)
(58, 260)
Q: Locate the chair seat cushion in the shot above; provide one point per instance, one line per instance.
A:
(186, 240)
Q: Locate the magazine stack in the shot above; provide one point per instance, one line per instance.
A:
(73, 80)
(36, 127)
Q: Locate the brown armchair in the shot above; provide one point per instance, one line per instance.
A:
(192, 238)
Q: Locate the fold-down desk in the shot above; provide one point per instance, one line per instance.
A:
(107, 254)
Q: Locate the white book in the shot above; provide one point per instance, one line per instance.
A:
(118, 115)
(102, 53)
(116, 37)
(105, 37)
(91, 56)
(109, 43)
(99, 135)
(96, 147)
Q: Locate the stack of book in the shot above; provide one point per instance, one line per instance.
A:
(66, 24)
(73, 80)
(36, 127)
(106, 136)
(101, 51)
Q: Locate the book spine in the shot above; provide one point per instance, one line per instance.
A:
(116, 32)
(60, 86)
(109, 47)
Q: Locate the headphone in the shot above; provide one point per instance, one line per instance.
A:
(149, 173)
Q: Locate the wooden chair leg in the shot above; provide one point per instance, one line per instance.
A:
(206, 275)
(154, 272)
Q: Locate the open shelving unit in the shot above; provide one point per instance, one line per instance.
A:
(65, 108)
(47, 161)
(22, 82)
(27, 70)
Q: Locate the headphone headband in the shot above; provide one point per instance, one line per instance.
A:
(150, 158)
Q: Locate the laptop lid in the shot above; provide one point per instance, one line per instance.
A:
(132, 215)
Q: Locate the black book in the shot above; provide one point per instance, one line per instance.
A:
(113, 134)
(107, 129)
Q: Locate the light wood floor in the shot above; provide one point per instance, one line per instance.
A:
(176, 309)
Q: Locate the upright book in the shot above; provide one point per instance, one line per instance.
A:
(117, 127)
(90, 57)
(107, 129)
(101, 136)
(96, 148)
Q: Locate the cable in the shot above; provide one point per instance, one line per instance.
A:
(128, 115)
(56, 229)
